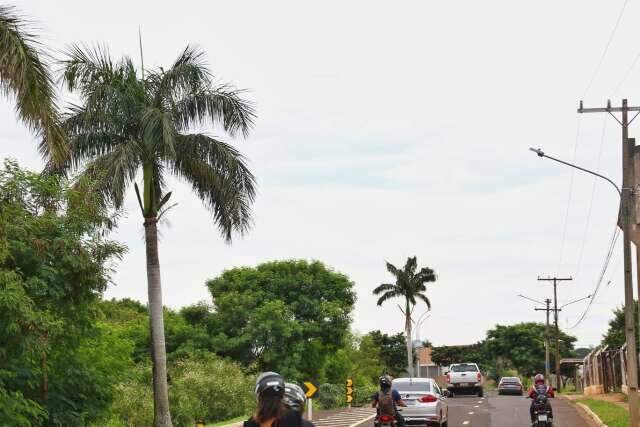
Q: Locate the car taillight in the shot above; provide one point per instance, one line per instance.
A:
(386, 418)
(428, 398)
(479, 377)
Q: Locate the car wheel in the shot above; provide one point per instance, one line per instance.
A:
(446, 422)
(480, 393)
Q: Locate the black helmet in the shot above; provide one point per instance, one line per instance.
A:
(294, 397)
(270, 382)
(385, 381)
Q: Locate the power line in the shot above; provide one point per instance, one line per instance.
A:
(606, 49)
(626, 75)
(566, 215)
(593, 193)
(607, 260)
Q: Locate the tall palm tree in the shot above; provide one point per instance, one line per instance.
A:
(411, 286)
(128, 123)
(25, 76)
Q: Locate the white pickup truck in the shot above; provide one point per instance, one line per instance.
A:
(464, 377)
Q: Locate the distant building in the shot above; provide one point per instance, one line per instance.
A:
(428, 369)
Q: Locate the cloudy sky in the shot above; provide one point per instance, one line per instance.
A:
(387, 130)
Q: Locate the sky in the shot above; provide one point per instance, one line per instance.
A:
(387, 130)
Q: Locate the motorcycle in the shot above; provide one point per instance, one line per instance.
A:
(542, 414)
(384, 421)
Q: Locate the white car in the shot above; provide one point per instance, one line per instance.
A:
(426, 403)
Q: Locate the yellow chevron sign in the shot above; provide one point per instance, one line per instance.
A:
(310, 389)
(349, 390)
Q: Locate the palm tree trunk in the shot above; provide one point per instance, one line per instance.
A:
(162, 416)
(407, 330)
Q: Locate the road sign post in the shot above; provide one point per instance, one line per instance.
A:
(349, 391)
(310, 390)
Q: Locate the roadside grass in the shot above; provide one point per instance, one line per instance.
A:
(490, 385)
(227, 422)
(611, 414)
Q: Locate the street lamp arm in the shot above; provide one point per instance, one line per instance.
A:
(541, 153)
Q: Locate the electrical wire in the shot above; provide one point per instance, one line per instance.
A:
(626, 75)
(606, 49)
(593, 193)
(570, 198)
(607, 260)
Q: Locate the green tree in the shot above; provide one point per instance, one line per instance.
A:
(615, 337)
(522, 346)
(283, 315)
(127, 123)
(448, 354)
(393, 351)
(410, 285)
(54, 264)
(25, 75)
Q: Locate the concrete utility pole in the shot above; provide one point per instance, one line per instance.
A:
(547, 338)
(627, 202)
(555, 281)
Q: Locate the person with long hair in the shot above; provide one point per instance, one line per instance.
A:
(269, 392)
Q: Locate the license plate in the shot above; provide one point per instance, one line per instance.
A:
(465, 385)
(542, 417)
(410, 402)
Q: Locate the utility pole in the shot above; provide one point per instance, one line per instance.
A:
(547, 338)
(555, 281)
(627, 201)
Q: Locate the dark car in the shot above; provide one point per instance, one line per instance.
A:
(510, 385)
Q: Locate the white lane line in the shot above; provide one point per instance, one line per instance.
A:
(361, 421)
(465, 422)
(471, 413)
(476, 406)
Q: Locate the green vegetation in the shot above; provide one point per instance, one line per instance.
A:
(59, 367)
(411, 286)
(129, 122)
(518, 348)
(614, 337)
(611, 414)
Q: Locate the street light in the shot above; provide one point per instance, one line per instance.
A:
(624, 215)
(418, 323)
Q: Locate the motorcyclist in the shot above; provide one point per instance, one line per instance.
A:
(294, 400)
(540, 388)
(387, 397)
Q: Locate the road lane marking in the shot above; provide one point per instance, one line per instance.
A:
(465, 422)
(471, 413)
(476, 406)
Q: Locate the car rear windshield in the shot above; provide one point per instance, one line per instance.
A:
(464, 367)
(407, 387)
(511, 380)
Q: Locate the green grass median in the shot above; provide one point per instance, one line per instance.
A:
(611, 414)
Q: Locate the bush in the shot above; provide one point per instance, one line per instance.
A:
(334, 396)
(210, 387)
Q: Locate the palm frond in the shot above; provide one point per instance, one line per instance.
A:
(383, 288)
(388, 295)
(218, 106)
(188, 74)
(24, 74)
(113, 172)
(158, 131)
(218, 174)
(87, 65)
(410, 266)
(424, 298)
(392, 269)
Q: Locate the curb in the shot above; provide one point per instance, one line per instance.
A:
(591, 414)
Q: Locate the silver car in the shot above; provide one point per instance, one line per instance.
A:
(426, 402)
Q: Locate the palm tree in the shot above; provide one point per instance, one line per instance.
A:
(411, 286)
(126, 123)
(25, 76)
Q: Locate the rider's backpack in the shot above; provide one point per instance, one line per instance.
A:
(385, 403)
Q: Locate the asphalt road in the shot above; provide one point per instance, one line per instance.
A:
(504, 411)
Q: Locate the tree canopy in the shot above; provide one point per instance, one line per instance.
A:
(282, 315)
(614, 337)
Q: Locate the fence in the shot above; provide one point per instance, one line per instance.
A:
(605, 371)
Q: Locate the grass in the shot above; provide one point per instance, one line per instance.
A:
(611, 414)
(224, 423)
